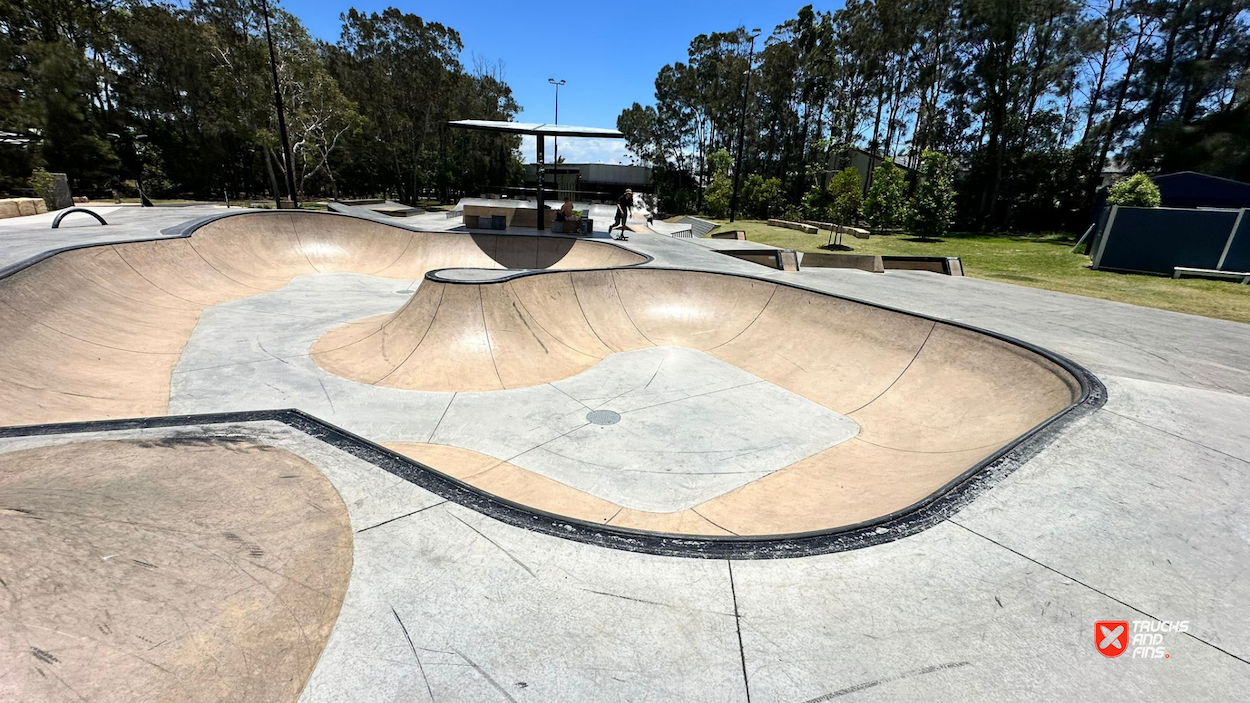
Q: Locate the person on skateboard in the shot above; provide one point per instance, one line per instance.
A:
(623, 206)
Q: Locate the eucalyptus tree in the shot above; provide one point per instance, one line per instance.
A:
(1196, 67)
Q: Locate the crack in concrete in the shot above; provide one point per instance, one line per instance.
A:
(497, 546)
(1095, 590)
(742, 654)
(502, 691)
(1180, 437)
(413, 647)
(401, 517)
(889, 679)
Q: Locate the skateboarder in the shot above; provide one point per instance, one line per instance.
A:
(623, 206)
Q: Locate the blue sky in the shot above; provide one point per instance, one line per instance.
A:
(609, 53)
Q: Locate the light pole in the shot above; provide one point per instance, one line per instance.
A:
(141, 152)
(138, 151)
(555, 163)
(277, 97)
(742, 126)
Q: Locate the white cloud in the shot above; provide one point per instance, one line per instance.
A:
(576, 150)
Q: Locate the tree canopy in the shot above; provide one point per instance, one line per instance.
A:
(1029, 99)
(181, 96)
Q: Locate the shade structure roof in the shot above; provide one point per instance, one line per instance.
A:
(19, 138)
(546, 130)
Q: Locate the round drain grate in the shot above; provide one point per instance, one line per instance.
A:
(603, 417)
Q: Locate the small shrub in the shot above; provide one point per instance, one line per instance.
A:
(933, 208)
(155, 182)
(718, 193)
(886, 205)
(846, 196)
(716, 198)
(1136, 191)
(762, 199)
(41, 181)
(816, 204)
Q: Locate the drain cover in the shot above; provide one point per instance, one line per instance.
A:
(603, 417)
(405, 292)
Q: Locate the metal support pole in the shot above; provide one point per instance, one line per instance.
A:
(556, 157)
(542, 174)
(277, 98)
(742, 127)
(555, 143)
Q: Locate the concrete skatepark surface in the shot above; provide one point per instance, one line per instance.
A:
(149, 576)
(1132, 512)
(900, 406)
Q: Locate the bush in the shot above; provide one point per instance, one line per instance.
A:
(761, 199)
(846, 195)
(840, 201)
(816, 204)
(933, 208)
(41, 182)
(717, 194)
(1136, 191)
(886, 205)
(716, 197)
(155, 182)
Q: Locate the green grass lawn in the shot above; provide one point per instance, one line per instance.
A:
(431, 205)
(1036, 260)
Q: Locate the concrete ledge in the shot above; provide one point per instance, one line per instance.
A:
(21, 207)
(1190, 272)
(948, 265)
(735, 234)
(857, 232)
(779, 259)
(806, 229)
(863, 262)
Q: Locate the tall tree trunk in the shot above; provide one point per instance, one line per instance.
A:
(1158, 100)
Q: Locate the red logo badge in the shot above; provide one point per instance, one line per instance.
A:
(1111, 637)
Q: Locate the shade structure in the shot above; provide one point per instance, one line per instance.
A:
(540, 130)
(545, 130)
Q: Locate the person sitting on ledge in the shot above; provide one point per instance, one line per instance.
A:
(567, 212)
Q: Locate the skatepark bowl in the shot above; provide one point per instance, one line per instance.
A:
(550, 380)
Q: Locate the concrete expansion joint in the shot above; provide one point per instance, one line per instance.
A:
(1091, 588)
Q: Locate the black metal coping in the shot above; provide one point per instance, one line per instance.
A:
(930, 510)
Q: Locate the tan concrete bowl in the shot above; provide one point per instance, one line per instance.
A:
(94, 334)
